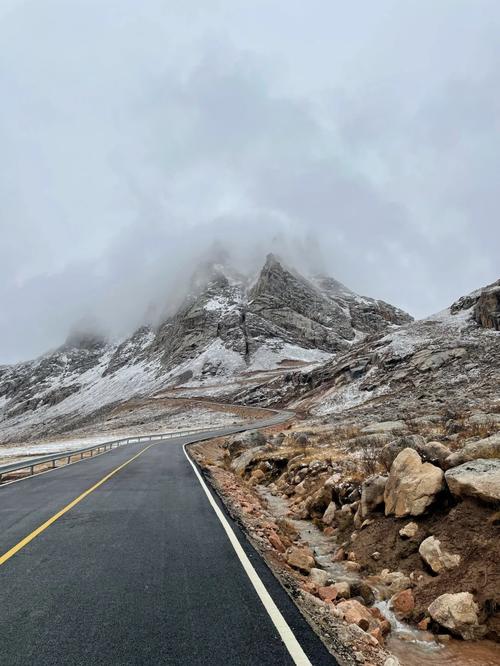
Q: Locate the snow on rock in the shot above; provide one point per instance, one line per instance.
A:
(345, 397)
(216, 359)
(269, 356)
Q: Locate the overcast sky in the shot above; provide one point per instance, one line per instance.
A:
(361, 138)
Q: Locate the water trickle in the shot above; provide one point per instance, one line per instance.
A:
(412, 646)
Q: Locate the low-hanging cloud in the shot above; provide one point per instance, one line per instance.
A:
(134, 137)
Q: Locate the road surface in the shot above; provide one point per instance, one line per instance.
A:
(140, 570)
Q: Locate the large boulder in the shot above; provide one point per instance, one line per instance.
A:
(435, 557)
(488, 448)
(412, 485)
(372, 494)
(478, 478)
(459, 613)
(245, 440)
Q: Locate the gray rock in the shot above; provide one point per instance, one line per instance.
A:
(488, 448)
(372, 494)
(391, 450)
(319, 577)
(435, 557)
(459, 613)
(478, 478)
(329, 515)
(434, 452)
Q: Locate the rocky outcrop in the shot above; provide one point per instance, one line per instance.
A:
(459, 613)
(478, 478)
(285, 301)
(367, 314)
(487, 310)
(427, 360)
(435, 557)
(412, 485)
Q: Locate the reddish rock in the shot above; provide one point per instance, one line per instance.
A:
(355, 613)
(309, 587)
(377, 633)
(328, 593)
(339, 555)
(276, 542)
(329, 531)
(423, 625)
(301, 558)
(403, 604)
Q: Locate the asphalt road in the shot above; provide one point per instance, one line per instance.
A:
(140, 571)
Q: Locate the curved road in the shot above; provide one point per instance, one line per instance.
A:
(140, 570)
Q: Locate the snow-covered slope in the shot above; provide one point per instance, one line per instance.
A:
(229, 328)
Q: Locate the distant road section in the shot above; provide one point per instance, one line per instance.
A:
(129, 558)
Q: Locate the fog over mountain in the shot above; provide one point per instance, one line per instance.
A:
(361, 141)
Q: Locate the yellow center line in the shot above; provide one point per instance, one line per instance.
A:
(15, 549)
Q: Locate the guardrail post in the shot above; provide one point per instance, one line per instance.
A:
(31, 469)
(69, 458)
(53, 464)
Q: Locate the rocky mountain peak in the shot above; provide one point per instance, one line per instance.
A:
(224, 329)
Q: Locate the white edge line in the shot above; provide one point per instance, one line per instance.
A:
(292, 645)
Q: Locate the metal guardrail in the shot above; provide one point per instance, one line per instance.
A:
(105, 446)
(98, 448)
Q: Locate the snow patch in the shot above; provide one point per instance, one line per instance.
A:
(460, 320)
(215, 359)
(344, 398)
(269, 357)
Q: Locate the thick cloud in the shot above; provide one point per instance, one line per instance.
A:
(363, 140)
